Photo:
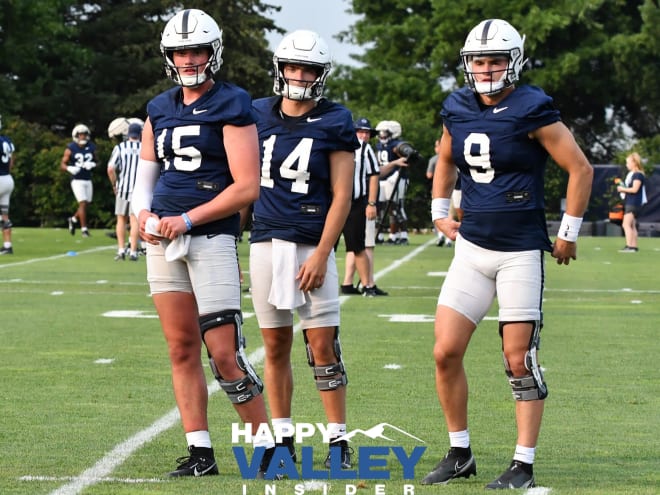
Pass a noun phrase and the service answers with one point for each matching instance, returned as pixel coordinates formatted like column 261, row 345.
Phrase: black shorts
column 633, row 209
column 354, row 228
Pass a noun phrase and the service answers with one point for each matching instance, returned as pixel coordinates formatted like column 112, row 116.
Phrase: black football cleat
column 458, row 463
column 518, row 475
column 200, row 462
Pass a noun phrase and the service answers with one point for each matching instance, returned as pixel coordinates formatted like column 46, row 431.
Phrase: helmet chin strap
column 193, row 81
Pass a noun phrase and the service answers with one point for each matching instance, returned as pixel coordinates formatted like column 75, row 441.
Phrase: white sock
column 524, row 454
column 279, row 423
column 336, row 430
column 459, row 439
column 199, row 438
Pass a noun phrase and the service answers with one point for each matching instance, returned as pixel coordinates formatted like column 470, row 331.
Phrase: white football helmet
column 302, row 48
column 493, row 37
column 77, row 131
column 192, row 28
column 118, row 128
column 388, row 129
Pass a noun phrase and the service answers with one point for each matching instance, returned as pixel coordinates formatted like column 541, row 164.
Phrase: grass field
column 87, row 407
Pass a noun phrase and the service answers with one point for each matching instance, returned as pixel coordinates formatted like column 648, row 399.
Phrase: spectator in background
column 122, row 168
column 79, row 159
column 360, row 228
column 635, row 197
column 6, row 188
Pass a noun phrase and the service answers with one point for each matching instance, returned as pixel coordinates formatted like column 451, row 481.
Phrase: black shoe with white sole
column 458, row 463
column 519, row 475
column 200, row 462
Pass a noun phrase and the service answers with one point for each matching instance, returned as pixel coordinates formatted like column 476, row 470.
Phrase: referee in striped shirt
column 360, row 228
column 122, row 168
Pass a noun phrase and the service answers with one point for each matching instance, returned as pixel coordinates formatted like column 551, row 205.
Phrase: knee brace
column 530, row 387
column 6, row 225
column 328, row 376
column 250, row 385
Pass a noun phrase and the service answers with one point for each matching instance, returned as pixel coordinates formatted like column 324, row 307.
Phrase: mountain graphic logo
column 377, row 431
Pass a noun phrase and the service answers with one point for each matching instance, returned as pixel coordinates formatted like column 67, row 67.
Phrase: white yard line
column 106, row 465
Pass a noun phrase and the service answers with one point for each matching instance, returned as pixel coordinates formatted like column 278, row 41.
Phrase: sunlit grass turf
column 76, row 383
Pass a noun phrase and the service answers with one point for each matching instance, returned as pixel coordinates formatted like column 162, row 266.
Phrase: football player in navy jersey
column 393, row 181
column 6, row 187
column 499, row 136
column 198, row 167
column 307, row 146
column 79, row 159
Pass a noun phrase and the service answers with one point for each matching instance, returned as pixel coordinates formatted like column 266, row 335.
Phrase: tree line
column 68, row 61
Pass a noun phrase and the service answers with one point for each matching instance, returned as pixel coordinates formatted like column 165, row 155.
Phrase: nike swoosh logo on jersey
column 309, row 119
column 197, row 112
column 498, row 110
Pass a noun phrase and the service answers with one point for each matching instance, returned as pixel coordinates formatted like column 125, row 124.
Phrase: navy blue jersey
column 188, row 141
column 501, row 169
column 295, row 190
column 639, row 198
column 385, row 154
column 83, row 157
column 6, row 150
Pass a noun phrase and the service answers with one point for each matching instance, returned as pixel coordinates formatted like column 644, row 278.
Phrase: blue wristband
column 186, row 218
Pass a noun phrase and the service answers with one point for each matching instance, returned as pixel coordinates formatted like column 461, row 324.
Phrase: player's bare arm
column 342, row 167
column 561, row 145
column 444, row 181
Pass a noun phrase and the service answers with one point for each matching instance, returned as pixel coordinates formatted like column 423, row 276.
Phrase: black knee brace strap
column 328, row 376
column 533, row 386
column 250, row 385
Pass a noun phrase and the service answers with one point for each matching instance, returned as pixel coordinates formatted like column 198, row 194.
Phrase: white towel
column 177, row 248
column 284, row 291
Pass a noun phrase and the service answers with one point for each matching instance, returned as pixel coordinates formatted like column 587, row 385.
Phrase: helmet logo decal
column 184, row 24
column 484, row 33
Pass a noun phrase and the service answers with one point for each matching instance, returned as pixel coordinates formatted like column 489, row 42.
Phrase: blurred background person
column 122, row 168
column 635, row 197
column 6, row 188
column 360, row 228
column 393, row 182
column 79, row 159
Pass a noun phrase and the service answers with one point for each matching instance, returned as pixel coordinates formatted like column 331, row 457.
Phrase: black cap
column 363, row 124
column 135, row 131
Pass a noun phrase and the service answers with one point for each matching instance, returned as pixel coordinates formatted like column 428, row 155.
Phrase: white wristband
column 439, row 208
column 569, row 228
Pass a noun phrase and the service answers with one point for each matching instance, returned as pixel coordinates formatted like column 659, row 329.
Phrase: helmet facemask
column 202, row 71
column 497, row 83
column 297, row 89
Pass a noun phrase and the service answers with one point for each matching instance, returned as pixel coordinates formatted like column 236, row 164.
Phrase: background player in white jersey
column 6, row 188
column 122, row 168
column 79, row 159
column 199, row 165
column 499, row 136
column 307, row 145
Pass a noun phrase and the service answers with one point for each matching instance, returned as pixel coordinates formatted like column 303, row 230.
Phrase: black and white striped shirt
column 124, row 160
column 366, row 165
